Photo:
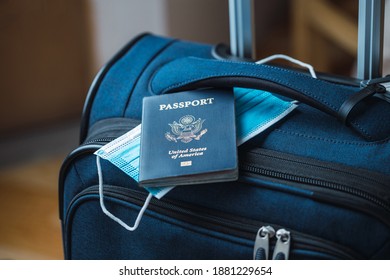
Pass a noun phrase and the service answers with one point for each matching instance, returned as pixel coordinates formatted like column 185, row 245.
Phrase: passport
column 188, row 138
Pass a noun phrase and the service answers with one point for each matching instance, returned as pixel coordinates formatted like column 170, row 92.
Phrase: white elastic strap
column 108, row 213
column 289, row 58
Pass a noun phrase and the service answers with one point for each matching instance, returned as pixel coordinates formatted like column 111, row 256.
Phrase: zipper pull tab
column 282, row 247
column 264, row 234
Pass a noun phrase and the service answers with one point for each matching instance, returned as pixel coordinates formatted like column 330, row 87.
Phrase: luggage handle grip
column 192, row 72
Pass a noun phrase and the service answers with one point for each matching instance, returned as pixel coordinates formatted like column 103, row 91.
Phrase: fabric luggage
column 313, row 186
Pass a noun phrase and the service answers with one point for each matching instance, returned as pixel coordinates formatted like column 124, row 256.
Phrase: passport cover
column 188, row 138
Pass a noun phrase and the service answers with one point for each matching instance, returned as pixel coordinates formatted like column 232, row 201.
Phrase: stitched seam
column 78, row 174
column 377, row 143
column 361, row 129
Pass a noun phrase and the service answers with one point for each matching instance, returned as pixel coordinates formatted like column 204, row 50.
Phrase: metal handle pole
column 241, row 28
column 370, row 39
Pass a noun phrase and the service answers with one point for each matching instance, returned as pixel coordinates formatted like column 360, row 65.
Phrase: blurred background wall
column 44, row 58
column 50, row 51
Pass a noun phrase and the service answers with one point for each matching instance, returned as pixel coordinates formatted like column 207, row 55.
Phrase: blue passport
column 188, row 138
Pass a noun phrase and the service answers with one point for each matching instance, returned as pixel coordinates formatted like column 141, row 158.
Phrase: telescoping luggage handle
column 370, row 34
column 351, row 105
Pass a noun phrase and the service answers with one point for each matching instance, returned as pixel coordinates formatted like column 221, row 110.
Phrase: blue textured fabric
column 184, row 71
column 154, row 65
column 311, row 255
column 298, row 212
column 114, row 242
column 87, row 225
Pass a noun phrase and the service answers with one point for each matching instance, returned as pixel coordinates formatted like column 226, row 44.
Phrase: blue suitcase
column 313, row 186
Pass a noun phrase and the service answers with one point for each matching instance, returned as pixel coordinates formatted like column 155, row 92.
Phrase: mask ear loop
column 289, row 58
column 108, row 213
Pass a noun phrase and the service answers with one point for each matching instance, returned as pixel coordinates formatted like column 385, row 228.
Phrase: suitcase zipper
column 101, row 141
column 262, row 242
column 263, row 236
column 213, row 220
column 282, row 247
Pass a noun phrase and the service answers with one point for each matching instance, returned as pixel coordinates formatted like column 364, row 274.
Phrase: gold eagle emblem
column 186, row 130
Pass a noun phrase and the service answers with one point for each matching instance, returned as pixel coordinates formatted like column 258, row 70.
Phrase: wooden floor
column 29, row 166
column 29, row 223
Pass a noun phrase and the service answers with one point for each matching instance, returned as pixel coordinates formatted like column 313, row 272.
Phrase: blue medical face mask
column 256, row 110
column 124, row 153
